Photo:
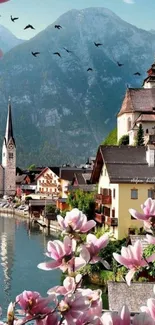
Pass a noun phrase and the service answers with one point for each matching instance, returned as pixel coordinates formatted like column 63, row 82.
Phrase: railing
column 103, row 199
column 48, row 184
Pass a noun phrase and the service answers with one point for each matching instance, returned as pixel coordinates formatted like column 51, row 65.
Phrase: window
column 129, row 124
column 114, row 193
column 113, row 213
column 147, row 131
column 134, row 194
column 10, row 155
column 39, row 189
column 40, row 182
column 151, row 194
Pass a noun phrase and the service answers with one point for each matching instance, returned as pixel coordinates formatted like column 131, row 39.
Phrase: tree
column 32, row 167
column 140, row 136
column 111, row 138
column 83, row 201
column 124, row 140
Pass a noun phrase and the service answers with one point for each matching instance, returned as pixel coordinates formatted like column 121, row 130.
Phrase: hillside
column 62, row 112
column 111, row 138
column 8, row 40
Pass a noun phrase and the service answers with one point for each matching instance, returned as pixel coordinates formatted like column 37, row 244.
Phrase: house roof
column 55, row 170
column 138, row 100
column 146, row 118
column 125, row 164
column 80, row 179
column 84, row 187
column 67, row 173
column 20, row 178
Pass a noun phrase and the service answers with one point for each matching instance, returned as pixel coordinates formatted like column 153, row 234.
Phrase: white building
column 8, row 166
column 138, row 107
column 48, row 181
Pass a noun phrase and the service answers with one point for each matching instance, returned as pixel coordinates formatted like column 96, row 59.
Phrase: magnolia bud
column 10, row 314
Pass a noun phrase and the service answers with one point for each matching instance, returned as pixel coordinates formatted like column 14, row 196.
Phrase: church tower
column 149, row 81
column 9, row 157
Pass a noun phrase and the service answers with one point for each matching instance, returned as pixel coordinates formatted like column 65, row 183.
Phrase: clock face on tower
column 10, row 146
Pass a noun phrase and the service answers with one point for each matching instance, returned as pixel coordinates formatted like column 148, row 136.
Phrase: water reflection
column 7, row 246
column 22, row 248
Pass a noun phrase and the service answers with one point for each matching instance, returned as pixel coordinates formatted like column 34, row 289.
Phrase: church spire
column 9, row 127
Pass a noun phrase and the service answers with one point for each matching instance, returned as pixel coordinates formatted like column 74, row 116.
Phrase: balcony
column 99, row 217
column 112, row 222
column 103, row 199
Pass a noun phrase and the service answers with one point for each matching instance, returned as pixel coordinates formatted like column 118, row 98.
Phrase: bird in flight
column 68, row 51
column 35, row 53
column 137, row 74
column 120, row 64
column 57, row 53
column 89, row 69
column 58, row 26
column 97, row 44
column 29, row 26
column 13, row 19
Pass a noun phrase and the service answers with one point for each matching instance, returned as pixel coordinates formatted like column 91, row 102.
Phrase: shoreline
column 20, row 213
column 14, row 212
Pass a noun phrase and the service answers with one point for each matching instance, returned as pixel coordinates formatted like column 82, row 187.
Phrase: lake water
column 22, row 248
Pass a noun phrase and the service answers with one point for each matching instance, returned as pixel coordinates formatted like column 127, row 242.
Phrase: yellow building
column 126, row 178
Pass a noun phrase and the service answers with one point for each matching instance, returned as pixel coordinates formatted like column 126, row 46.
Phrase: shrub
column 124, row 140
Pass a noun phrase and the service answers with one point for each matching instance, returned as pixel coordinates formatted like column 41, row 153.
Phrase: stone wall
column 134, row 296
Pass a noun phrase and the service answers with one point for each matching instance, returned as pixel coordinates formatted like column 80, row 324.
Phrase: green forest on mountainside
column 111, row 138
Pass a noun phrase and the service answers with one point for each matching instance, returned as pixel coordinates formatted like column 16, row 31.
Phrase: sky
column 41, row 13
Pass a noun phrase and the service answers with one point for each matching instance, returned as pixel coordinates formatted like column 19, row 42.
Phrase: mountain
column 8, row 40
column 62, row 112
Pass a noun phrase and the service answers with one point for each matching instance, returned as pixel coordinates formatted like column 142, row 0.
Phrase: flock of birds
column 35, row 54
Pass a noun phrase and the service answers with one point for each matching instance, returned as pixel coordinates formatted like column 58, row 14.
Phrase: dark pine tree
column 140, row 136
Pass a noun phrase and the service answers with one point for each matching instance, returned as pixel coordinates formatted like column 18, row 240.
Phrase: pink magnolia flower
column 75, row 221
column 73, row 306
column 132, row 258
column 1, row 1
column 33, row 304
column 86, row 319
column 95, row 299
column 148, row 213
column 92, row 248
column 123, row 318
column 150, row 239
column 150, row 308
column 62, row 253
column 70, row 284
column 48, row 320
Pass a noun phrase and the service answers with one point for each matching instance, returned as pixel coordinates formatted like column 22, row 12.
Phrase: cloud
column 129, row 1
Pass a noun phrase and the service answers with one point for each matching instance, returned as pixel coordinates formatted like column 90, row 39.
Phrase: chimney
column 150, row 155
